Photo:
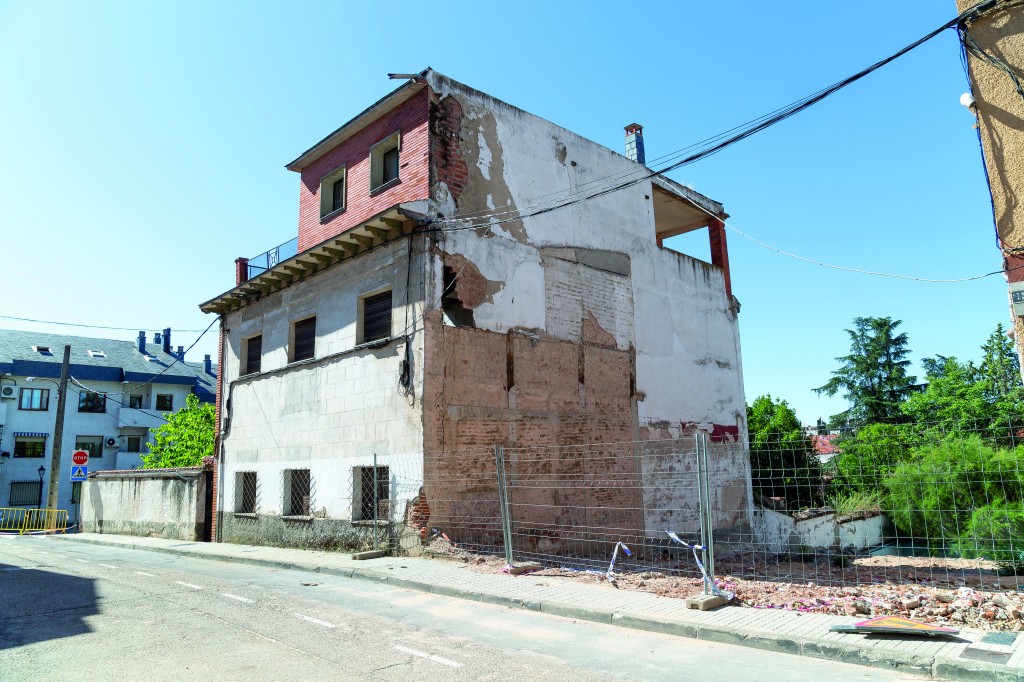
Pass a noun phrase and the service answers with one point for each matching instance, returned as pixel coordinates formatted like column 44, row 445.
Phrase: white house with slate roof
column 117, row 392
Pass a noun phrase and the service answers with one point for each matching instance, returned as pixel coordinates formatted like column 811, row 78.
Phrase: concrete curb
column 939, row 667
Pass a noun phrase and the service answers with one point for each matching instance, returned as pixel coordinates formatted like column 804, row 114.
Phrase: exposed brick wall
column 447, row 163
column 720, row 250
column 241, row 270
column 354, row 153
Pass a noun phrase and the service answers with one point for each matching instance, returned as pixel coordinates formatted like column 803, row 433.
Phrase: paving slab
column 805, row 634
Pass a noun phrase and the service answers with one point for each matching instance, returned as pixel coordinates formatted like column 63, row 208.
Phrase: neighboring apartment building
column 120, row 389
column 434, row 307
column 993, row 38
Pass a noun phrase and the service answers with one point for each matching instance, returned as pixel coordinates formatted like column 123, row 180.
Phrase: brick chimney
column 635, row 143
column 142, row 342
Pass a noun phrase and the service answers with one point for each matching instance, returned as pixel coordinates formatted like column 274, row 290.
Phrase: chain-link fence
column 935, row 504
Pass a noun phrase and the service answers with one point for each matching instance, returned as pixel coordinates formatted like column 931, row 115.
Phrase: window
column 364, row 498
column 296, row 492
column 245, row 492
column 76, row 492
column 304, row 339
column 26, row 493
column 42, row 350
column 332, row 192
column 253, row 353
column 91, row 444
column 376, row 317
column 29, row 446
column 36, row 399
column 135, row 402
column 384, row 162
column 134, row 444
column 455, row 313
column 92, row 402
column 165, row 402
column 97, row 353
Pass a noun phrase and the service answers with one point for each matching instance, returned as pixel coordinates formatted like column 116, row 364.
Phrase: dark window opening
column 454, row 311
column 377, row 317
column 135, row 402
column 245, row 492
column 165, row 402
column 368, row 500
column 390, row 159
column 29, row 447
column 253, row 354
column 297, row 492
column 338, row 194
column 91, row 444
column 134, row 444
column 305, row 339
column 92, row 402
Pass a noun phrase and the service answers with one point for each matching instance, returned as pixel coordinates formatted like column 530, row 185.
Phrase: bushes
column 962, row 496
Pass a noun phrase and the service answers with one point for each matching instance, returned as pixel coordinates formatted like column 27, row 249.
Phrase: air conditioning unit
column 9, row 392
column 111, row 442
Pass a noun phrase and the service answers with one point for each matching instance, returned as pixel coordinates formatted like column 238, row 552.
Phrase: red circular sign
column 80, row 457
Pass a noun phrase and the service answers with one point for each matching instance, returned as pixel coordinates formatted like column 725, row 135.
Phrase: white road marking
column 236, row 598
column 106, row 565
column 194, row 587
column 84, row 561
column 315, row 620
column 148, row 575
column 430, row 657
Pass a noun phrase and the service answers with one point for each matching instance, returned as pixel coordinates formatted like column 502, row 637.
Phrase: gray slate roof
column 123, row 361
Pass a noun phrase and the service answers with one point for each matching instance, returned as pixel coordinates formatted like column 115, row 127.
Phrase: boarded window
column 253, row 354
column 305, row 339
column 376, row 317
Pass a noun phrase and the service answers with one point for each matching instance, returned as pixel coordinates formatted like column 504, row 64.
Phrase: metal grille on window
column 247, row 483
column 298, row 482
column 305, row 339
column 253, row 353
column 374, row 493
column 377, row 317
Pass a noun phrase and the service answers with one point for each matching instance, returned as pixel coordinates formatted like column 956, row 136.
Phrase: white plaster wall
column 684, row 331
column 328, row 414
column 819, row 531
column 862, row 533
column 772, row 529
column 155, row 504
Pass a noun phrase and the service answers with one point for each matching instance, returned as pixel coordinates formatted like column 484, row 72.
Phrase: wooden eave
column 387, row 226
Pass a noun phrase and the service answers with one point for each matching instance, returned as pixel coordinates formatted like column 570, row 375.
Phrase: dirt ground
column 951, row 592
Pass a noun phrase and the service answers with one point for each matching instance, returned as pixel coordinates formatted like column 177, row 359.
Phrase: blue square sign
column 79, row 473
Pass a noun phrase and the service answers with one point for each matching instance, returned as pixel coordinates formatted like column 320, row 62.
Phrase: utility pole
column 58, row 431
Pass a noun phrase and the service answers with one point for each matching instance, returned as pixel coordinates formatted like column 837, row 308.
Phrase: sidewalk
column 968, row 658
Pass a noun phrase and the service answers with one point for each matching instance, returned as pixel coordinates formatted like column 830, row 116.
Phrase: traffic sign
column 79, row 473
column 80, row 457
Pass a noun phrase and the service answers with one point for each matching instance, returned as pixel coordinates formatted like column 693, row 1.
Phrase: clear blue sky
column 142, row 149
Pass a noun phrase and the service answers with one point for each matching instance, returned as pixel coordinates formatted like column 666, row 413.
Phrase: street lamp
column 41, row 470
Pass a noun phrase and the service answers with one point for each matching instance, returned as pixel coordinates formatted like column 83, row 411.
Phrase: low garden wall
column 166, row 503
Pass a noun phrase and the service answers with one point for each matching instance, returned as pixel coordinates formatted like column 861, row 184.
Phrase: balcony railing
column 268, row 259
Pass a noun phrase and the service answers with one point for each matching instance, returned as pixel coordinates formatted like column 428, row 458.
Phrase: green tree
column 1000, row 365
column 185, row 439
column 782, row 458
column 873, row 377
column 954, row 399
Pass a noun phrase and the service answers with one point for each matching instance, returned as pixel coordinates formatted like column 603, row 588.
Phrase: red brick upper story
column 352, row 152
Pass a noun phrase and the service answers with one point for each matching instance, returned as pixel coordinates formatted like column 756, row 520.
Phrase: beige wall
column 1000, row 111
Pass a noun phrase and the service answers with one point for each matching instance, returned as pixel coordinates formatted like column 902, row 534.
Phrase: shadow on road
column 37, row 605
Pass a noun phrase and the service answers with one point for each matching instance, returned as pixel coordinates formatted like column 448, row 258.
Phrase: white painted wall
column 329, row 414
column 159, row 502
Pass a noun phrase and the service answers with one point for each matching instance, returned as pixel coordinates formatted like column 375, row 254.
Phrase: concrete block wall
column 166, row 503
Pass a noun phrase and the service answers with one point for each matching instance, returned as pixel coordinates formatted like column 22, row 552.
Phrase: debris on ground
column 946, row 592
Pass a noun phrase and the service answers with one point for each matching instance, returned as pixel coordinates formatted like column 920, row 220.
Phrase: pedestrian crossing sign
column 79, row 473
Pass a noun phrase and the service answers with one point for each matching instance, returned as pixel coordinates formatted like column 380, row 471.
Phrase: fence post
column 704, row 493
column 375, row 502
column 506, row 520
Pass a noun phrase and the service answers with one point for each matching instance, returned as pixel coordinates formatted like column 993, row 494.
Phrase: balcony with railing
column 257, row 265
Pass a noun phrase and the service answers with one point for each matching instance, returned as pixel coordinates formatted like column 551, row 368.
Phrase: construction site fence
column 21, row 521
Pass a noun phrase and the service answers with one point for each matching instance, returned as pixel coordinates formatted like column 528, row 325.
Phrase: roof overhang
column 391, row 101
column 679, row 209
column 389, row 225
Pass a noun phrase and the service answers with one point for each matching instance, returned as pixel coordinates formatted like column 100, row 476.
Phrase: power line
column 720, row 143
column 89, row 326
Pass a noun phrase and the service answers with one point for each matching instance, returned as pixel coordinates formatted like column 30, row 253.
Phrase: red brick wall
column 720, row 250
column 414, row 173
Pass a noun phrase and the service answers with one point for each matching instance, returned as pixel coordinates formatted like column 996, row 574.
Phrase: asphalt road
column 85, row 612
